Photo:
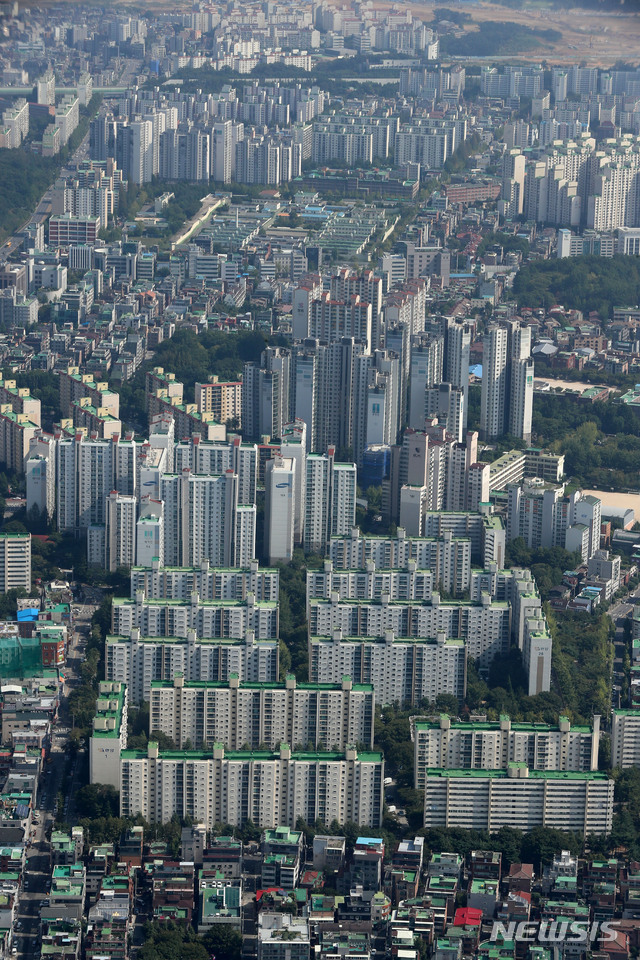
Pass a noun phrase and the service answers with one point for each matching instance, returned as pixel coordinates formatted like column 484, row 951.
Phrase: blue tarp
column 29, row 613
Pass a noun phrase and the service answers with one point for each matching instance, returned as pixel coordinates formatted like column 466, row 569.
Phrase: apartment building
column 271, row 789
column 541, row 513
column 137, row 660
column 507, row 381
column 16, row 432
column 484, row 627
column 209, row 582
column 222, row 399
column 158, row 379
column 119, row 533
column 401, row 668
column 20, row 399
column 109, row 736
column 76, row 386
column 330, row 506
column 209, row 618
column 236, row 713
column 454, row 745
column 354, row 550
column 370, row 583
column 625, row 738
column 279, row 512
column 94, row 420
column 188, row 419
column 514, row 465
column 397, row 562
column 203, row 518
column 216, row 458
column 64, row 229
column 15, row 561
column 520, row 798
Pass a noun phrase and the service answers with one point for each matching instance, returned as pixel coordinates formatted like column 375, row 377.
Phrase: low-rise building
column 219, row 902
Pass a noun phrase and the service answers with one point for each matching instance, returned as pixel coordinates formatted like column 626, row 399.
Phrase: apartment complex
column 625, row 738
column 484, row 627
column 137, row 660
column 541, row 513
column 208, row 618
column 243, row 714
column 507, row 381
column 453, row 745
column 271, row 789
column 484, row 533
column 158, row 582
column 222, row 399
column 519, row 797
column 401, row 669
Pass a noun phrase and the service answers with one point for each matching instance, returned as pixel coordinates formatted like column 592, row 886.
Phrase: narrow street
column 37, row 873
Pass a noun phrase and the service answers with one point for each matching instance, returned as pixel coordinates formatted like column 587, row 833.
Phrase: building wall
column 270, row 789
column 567, row 801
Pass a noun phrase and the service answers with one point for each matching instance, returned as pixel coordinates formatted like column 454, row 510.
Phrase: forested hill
column 580, row 283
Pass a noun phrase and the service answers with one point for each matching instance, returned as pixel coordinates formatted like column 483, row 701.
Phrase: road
column 38, row 867
column 44, row 207
column 619, row 612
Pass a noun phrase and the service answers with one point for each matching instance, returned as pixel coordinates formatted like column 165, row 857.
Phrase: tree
column 540, row 845
column 223, row 942
column 171, row 941
column 164, row 742
column 97, row 800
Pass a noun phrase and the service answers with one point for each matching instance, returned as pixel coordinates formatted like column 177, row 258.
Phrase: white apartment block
column 446, row 557
column 40, row 477
column 15, row 561
column 150, row 533
column 454, row 745
column 271, row 789
column 109, row 735
column 209, row 618
column 330, row 507
column 87, row 469
column 520, row 798
column 120, row 531
column 625, row 738
column 529, row 629
column 210, row 583
column 235, row 714
column 209, row 457
column 138, row 660
column 67, row 117
column 370, row 583
column 203, row 518
column 536, row 654
column 279, row 513
column 540, row 513
column 15, row 124
column 484, row 627
column 331, row 320
column 400, row 668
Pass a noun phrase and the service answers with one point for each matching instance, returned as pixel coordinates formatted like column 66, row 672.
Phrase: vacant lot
column 588, row 36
